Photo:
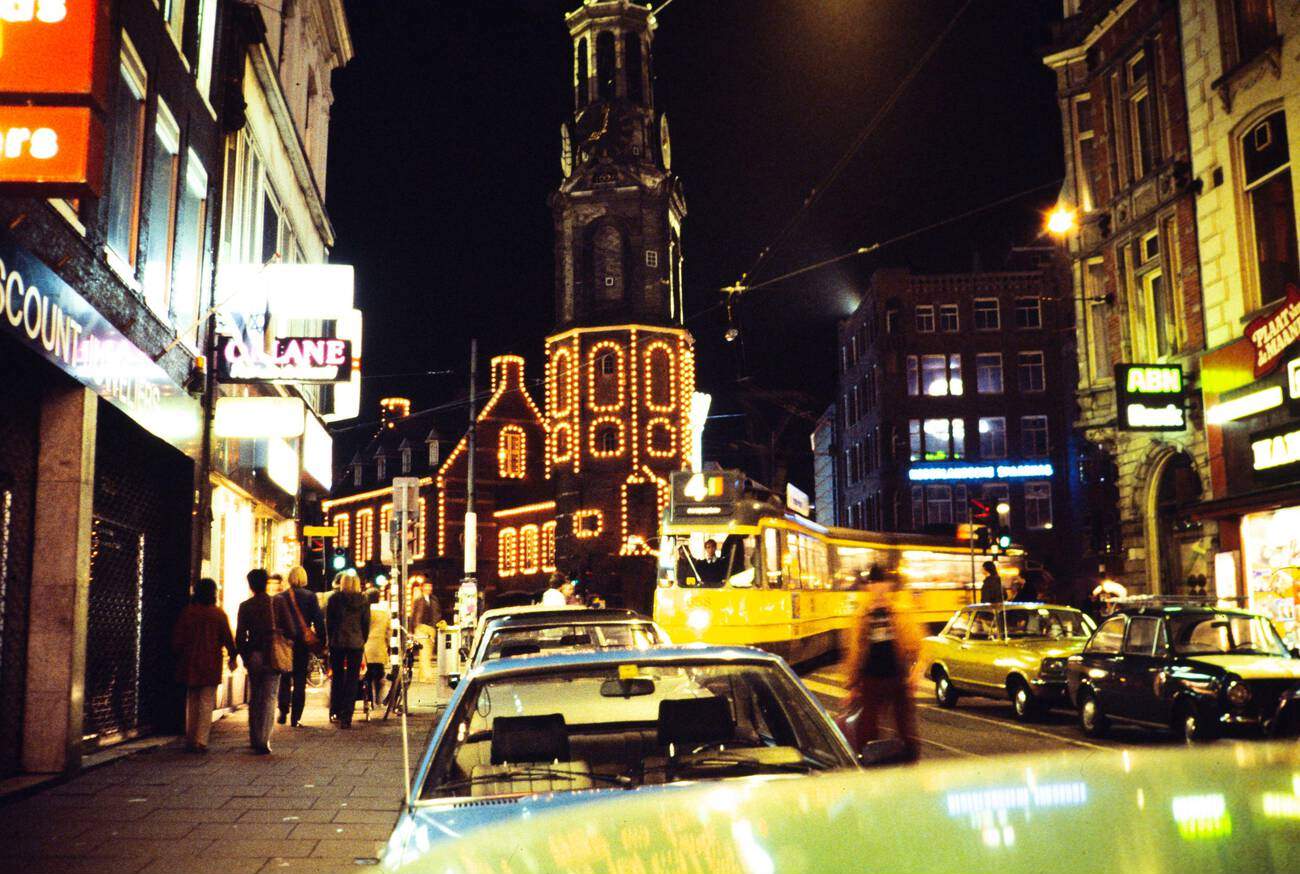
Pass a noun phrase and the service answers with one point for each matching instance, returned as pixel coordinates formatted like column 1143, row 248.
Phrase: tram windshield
column 708, row 561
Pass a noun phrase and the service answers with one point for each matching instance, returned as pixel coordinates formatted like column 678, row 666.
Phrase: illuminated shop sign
column 1243, row 405
column 1270, row 451
column 292, row 359
column 1273, row 334
column 44, row 314
column 54, row 52
column 947, row 472
column 1149, row 397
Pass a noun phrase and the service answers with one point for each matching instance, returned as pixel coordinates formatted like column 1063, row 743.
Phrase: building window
column 632, row 67
column 1267, row 166
column 651, row 258
column 949, row 318
column 435, row 453
column 607, row 439
column 1032, row 372
column 1098, row 314
column 1153, row 315
column 913, row 376
column 187, row 276
column 1143, row 135
column 1029, row 312
column 406, row 459
column 914, row 439
column 608, row 363
column 605, row 74
column 1033, row 436
column 341, row 540
column 581, row 76
column 1248, row 27
column 993, row 494
column 163, row 174
column 993, row 437
column 1038, row 504
column 529, row 550
column 510, row 452
column 127, row 156
column 925, row 319
column 988, row 373
column 358, row 473
column 421, row 528
column 934, row 375
column 988, row 314
column 1084, row 151
column 918, row 507
column 507, row 552
column 938, row 505
column 944, row 439
column 548, row 546
column 891, row 318
column 365, row 549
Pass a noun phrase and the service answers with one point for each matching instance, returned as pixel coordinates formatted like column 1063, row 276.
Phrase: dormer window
column 406, row 460
column 434, row 453
column 381, row 467
column 356, row 475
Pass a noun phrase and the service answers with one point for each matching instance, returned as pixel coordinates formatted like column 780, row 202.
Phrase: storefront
column 1252, row 412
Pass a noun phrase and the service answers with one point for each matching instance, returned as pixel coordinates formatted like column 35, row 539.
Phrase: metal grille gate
column 113, row 649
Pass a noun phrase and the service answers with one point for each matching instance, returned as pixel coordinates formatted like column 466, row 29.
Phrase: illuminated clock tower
column 620, row 368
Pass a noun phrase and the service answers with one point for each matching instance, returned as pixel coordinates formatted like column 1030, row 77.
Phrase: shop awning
column 1238, row 505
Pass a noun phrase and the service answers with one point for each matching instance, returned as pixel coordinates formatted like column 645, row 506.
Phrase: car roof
column 1000, row 605
column 1178, row 610
column 1190, row 814
column 565, row 616
column 593, row 657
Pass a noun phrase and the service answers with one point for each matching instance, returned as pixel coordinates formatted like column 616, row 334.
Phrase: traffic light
column 340, row 560
column 983, row 538
column 1004, row 540
column 980, row 513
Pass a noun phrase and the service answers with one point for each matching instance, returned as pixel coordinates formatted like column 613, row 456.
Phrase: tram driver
column 712, row 568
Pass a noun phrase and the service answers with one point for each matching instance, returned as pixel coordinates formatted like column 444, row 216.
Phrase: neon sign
column 293, row 359
column 942, row 473
column 1271, row 451
column 1273, row 334
column 1149, row 397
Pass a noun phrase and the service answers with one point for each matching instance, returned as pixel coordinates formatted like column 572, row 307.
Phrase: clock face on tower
column 665, row 144
column 566, row 150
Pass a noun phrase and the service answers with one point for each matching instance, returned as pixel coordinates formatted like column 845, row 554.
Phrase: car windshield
column 1050, row 622
column 626, row 725
column 1226, row 634
column 506, row 642
column 705, row 561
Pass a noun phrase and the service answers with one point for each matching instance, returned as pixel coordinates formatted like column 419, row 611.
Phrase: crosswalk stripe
column 825, row 688
column 1015, row 727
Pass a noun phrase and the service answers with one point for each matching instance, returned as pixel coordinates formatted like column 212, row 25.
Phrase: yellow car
column 1015, row 651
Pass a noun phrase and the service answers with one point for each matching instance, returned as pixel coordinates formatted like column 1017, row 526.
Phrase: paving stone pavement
column 324, row 801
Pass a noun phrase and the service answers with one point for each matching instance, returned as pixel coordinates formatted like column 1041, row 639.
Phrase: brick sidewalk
column 324, row 801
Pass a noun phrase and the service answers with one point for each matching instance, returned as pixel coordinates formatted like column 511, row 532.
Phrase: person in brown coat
column 201, row 633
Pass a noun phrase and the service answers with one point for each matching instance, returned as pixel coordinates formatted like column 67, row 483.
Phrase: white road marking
column 825, row 688
column 1016, row 727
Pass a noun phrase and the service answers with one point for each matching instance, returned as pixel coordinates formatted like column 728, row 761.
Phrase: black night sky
column 445, row 144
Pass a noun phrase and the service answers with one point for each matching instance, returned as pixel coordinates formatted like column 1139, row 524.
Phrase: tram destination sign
column 1150, row 397
column 700, row 495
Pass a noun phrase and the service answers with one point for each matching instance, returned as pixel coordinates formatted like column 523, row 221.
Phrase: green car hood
column 1253, row 667
column 1219, row 808
column 1048, row 648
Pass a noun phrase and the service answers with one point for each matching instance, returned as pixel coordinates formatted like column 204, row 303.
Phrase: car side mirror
column 453, row 680
column 1295, row 652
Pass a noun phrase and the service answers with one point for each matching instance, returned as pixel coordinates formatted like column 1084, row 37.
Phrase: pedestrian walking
column 991, row 591
column 347, row 624
column 201, row 633
column 309, row 639
column 377, row 646
column 264, row 638
column 882, row 649
column 554, row 595
column 1029, row 590
column 425, row 616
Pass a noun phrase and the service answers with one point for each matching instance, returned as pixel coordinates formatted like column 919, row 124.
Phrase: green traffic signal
column 340, row 560
column 1004, row 540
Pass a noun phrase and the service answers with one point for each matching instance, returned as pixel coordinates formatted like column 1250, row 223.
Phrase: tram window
column 772, row 558
column 706, row 561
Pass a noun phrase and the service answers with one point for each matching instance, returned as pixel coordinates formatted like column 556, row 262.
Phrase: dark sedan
column 1196, row 670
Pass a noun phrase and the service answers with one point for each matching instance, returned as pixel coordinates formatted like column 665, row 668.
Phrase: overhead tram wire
column 816, row 193
column 875, row 247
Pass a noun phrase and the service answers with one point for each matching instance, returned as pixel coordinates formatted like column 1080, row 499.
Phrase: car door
column 1140, row 662
column 1102, row 660
column 947, row 645
column 976, row 650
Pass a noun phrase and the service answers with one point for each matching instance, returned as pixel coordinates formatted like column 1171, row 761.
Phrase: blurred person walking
column 201, row 633
column 347, row 624
column 882, row 650
column 991, row 592
column 309, row 623
column 377, row 646
column 264, row 638
column 425, row 616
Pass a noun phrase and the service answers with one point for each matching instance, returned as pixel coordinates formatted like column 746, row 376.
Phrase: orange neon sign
column 55, row 145
column 50, row 47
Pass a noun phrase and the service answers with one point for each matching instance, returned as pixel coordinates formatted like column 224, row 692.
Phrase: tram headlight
column 699, row 619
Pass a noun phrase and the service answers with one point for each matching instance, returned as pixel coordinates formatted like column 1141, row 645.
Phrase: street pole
column 471, row 517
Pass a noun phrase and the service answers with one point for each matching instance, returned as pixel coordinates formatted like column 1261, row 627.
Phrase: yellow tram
column 780, row 581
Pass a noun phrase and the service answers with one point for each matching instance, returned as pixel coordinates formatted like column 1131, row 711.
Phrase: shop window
column 511, row 445
column 1038, row 504
column 925, row 319
column 1029, row 312
column 1271, row 215
column 993, row 436
column 1033, row 436
column 988, row 373
column 987, row 314
column 1032, row 371
column 126, row 156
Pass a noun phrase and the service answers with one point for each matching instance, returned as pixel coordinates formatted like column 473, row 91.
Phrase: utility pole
column 467, row 595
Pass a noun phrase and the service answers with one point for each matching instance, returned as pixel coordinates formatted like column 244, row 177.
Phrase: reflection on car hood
column 419, row 832
column 1253, row 667
column 1048, row 648
column 1218, row 809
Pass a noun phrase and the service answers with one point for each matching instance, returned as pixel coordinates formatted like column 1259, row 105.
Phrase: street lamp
column 1062, row 220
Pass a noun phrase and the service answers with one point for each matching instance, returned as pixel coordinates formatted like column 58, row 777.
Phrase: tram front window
column 705, row 562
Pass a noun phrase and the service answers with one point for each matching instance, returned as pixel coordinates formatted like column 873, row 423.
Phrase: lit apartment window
column 1033, row 436
column 988, row 373
column 1272, row 221
column 1038, row 504
column 163, row 173
column 1143, row 133
column 510, row 452
column 126, row 156
column 993, row 437
column 1154, row 325
column 1032, row 372
column 925, row 319
column 949, row 318
column 174, row 14
column 988, row 315
column 944, row 439
column 1029, row 312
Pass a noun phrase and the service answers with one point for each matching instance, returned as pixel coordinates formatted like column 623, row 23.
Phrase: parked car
column 1015, row 651
column 526, row 631
column 524, row 735
column 1196, row 670
column 1089, row 812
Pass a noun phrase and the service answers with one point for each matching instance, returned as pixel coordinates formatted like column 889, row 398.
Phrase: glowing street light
column 1062, row 220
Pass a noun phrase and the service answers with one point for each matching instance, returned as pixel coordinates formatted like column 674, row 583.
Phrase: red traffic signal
column 980, row 512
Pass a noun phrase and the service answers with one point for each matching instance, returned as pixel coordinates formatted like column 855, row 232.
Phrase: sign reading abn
column 1149, row 397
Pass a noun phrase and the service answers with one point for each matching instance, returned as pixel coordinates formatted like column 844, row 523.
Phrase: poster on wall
column 1270, row 544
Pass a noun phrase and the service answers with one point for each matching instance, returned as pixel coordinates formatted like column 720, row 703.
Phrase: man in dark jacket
column 260, row 618
column 425, row 615
column 305, row 609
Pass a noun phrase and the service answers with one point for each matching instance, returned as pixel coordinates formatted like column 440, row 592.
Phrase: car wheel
column 1194, row 726
column 1092, row 719
column 1023, row 701
column 945, row 695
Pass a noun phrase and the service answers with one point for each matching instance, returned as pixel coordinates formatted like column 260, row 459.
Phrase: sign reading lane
column 1150, row 397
